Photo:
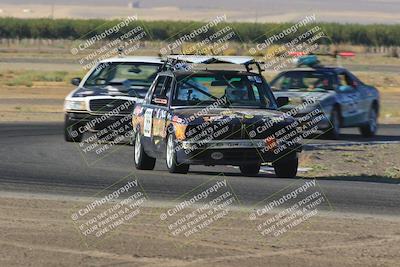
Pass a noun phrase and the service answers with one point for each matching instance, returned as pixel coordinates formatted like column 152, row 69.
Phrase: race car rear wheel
column 334, row 132
column 71, row 132
column 250, row 169
column 141, row 159
column 171, row 160
column 369, row 129
column 286, row 167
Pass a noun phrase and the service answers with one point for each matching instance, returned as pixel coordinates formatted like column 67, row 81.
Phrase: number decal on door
column 148, row 122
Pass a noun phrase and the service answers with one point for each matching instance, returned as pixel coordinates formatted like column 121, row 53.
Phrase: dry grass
column 35, row 77
column 373, row 161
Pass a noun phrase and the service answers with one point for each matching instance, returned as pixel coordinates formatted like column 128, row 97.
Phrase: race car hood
column 233, row 123
column 83, row 92
column 245, row 115
column 140, row 91
column 298, row 97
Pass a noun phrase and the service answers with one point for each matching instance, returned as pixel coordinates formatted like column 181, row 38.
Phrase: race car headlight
column 75, row 105
column 180, row 131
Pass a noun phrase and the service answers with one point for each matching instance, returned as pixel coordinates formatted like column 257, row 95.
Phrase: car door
column 160, row 103
column 149, row 112
column 365, row 99
column 349, row 99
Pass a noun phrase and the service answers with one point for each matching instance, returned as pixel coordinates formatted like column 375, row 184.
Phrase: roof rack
column 174, row 60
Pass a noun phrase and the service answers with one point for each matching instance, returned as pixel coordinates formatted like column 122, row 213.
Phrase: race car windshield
column 132, row 78
column 303, row 81
column 236, row 89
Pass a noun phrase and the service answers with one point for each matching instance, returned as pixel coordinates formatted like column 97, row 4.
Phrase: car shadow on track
column 344, row 178
column 361, row 178
column 386, row 132
column 235, row 174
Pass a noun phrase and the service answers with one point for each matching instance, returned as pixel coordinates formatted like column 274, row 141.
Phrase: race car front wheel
column 286, row 167
column 141, row 159
column 71, row 132
column 250, row 169
column 370, row 128
column 171, row 160
column 334, row 131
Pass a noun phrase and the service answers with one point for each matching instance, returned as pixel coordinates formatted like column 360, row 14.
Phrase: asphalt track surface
column 35, row 159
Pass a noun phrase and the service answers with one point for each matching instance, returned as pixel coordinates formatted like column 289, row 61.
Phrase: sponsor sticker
column 148, row 122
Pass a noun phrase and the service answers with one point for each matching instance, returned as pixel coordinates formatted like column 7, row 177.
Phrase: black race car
column 212, row 117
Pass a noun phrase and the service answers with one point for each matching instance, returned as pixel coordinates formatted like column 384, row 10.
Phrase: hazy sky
column 363, row 11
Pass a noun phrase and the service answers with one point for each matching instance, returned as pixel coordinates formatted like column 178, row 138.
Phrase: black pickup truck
column 213, row 117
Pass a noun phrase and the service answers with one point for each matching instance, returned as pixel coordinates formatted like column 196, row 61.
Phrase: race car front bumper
column 97, row 122
column 233, row 152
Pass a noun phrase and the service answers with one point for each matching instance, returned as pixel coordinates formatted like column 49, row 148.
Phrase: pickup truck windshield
column 132, row 78
column 239, row 90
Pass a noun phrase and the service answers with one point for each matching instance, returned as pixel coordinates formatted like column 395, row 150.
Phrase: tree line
column 355, row 34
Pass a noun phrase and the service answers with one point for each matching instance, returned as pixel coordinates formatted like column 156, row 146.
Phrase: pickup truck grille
column 104, row 105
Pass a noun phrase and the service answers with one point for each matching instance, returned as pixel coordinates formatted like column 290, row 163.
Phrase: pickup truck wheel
column 172, row 164
column 370, row 128
column 334, row 132
column 71, row 132
column 286, row 167
column 250, row 169
column 141, row 159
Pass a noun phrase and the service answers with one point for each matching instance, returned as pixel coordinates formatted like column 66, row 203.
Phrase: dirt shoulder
column 40, row 102
column 39, row 231
column 358, row 162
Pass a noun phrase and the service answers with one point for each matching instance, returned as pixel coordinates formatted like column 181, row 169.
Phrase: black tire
column 334, row 132
column 286, row 167
column 71, row 132
column 171, row 160
column 141, row 160
column 371, row 127
column 250, row 169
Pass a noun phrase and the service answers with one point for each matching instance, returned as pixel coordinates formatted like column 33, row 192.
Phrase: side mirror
column 160, row 100
column 282, row 101
column 76, row 81
column 345, row 88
